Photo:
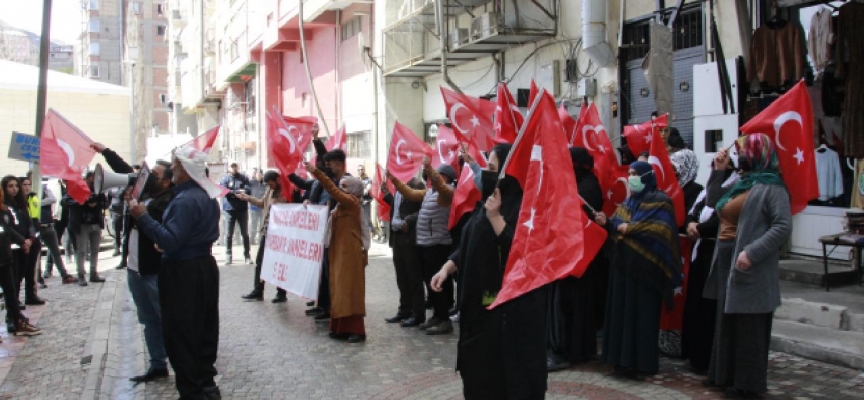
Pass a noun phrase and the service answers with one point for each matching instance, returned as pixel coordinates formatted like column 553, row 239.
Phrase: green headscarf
column 757, row 161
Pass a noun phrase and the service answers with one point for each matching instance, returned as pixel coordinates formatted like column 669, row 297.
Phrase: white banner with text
column 295, row 248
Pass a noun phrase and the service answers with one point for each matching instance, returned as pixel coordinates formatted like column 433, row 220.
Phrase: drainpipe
column 594, row 32
column 442, row 33
column 321, row 119
column 337, row 48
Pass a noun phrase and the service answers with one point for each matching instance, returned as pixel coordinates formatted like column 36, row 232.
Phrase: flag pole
column 522, row 131
column 42, row 91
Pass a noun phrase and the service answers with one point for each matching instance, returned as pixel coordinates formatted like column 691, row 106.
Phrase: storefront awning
column 243, row 74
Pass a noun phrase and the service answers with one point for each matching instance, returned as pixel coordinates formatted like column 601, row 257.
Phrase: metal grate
column 689, row 33
column 412, row 38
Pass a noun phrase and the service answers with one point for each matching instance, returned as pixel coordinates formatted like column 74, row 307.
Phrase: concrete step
column 812, row 272
column 822, row 344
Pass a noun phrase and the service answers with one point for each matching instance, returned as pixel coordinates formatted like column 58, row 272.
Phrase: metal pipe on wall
column 442, row 35
column 309, row 71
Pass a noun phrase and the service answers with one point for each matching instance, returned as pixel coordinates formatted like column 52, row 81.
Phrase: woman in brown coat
column 348, row 253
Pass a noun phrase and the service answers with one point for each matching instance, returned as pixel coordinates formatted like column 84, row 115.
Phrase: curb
column 831, row 346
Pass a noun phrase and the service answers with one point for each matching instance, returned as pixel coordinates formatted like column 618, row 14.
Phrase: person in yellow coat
column 348, row 251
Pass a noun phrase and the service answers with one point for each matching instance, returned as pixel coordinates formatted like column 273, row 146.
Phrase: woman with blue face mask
column 645, row 268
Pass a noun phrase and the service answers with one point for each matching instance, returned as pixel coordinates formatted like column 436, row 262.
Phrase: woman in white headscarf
column 348, row 251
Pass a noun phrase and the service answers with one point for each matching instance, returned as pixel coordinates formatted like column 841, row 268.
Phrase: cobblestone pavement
column 274, row 351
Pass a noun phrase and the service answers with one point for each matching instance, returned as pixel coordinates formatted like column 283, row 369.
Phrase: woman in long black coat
column 573, row 315
column 501, row 352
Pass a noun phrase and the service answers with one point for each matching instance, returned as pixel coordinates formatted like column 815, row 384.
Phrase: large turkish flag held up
column 590, row 134
column 205, row 142
column 617, row 189
column 538, row 122
column 788, row 121
column 465, row 197
column 508, row 118
column 65, row 153
column 446, row 148
column 283, row 142
column 664, row 171
column 639, row 136
column 471, row 117
column 338, row 140
column 378, row 195
column 406, row 153
column 549, row 238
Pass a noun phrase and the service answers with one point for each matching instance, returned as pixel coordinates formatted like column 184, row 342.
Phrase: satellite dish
column 363, row 49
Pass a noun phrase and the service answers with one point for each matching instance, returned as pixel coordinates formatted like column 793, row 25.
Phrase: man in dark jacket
column 236, row 210
column 143, row 260
column 409, row 275
column 86, row 222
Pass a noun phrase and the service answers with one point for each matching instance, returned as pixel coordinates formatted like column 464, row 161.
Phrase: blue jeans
column 145, row 293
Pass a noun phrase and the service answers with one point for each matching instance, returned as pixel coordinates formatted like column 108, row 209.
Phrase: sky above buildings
column 27, row 15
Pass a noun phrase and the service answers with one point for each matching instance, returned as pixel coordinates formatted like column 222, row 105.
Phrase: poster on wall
column 295, row 248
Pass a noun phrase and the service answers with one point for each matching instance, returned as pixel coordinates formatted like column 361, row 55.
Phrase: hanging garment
column 850, row 56
column 821, row 39
column 858, row 185
column 828, row 173
column 777, row 56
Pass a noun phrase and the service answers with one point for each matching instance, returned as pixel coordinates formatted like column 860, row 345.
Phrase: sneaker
column 430, row 323
column 442, row 328
column 115, row 253
column 248, row 260
column 229, row 260
column 82, row 281
column 121, row 266
column 25, row 329
column 455, row 318
column 46, row 275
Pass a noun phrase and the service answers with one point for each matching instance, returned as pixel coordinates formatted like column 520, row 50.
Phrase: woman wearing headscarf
column 501, row 352
column 17, row 205
column 572, row 320
column 643, row 272
column 348, row 249
column 755, row 220
column 697, row 333
column 686, row 166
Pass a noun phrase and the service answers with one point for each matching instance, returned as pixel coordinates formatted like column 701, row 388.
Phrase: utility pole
column 42, row 89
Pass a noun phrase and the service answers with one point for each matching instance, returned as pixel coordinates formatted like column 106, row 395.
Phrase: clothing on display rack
column 858, row 186
column 777, row 54
column 828, row 173
column 850, row 58
column 821, row 39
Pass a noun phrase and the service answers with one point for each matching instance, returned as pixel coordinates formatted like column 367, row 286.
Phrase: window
column 94, row 49
column 93, row 5
column 94, row 26
column 359, row 144
column 136, row 8
column 93, row 71
column 163, row 98
column 160, row 30
column 159, row 9
column 351, row 28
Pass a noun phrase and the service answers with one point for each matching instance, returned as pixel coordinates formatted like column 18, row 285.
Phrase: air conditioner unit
column 459, row 37
column 484, row 26
column 175, row 14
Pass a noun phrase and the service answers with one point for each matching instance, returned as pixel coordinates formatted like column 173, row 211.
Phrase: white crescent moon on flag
column 287, row 135
column 453, row 111
column 399, row 143
column 441, row 156
column 585, row 130
column 626, row 188
column 68, row 150
column 783, row 119
column 653, row 160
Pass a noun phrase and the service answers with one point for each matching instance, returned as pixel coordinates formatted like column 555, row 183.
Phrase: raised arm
column 445, row 191
column 335, row 193
column 407, row 192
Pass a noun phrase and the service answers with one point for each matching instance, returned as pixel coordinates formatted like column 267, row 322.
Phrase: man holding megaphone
column 140, row 256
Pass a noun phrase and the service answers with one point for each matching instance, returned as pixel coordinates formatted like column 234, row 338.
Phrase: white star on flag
column 648, row 138
column 475, row 121
column 679, row 290
column 799, row 155
column 408, row 154
column 530, row 222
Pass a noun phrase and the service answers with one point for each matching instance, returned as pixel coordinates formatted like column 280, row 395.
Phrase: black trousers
column 324, row 283
column 13, row 310
column 117, row 224
column 432, row 258
column 259, row 259
column 237, row 217
column 25, row 270
column 189, row 298
column 409, row 276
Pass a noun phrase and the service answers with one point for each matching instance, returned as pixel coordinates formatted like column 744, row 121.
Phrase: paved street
column 92, row 344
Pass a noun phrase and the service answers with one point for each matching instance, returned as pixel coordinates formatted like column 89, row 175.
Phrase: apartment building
column 100, row 53
column 22, row 46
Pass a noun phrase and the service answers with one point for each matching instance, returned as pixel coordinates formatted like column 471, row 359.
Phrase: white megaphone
column 104, row 180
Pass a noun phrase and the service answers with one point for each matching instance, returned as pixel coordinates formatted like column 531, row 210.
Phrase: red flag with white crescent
column 508, row 118
column 664, row 171
column 465, row 197
column 471, row 117
column 338, row 140
column 406, row 153
column 65, row 153
column 639, row 136
column 446, row 148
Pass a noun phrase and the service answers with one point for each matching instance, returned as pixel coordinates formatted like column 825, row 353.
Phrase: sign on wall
column 295, row 248
column 24, row 147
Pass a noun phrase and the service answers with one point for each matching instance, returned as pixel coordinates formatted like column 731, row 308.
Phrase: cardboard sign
column 294, row 248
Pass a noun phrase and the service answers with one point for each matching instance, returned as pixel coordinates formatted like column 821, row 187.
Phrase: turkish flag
column 406, row 153
column 549, row 242
column 590, row 134
column 338, row 140
column 665, row 173
column 639, row 136
column 375, row 192
column 789, row 123
column 447, row 148
column 465, row 197
column 673, row 320
column 595, row 238
column 533, row 92
column 205, row 142
column 508, row 118
column 65, row 153
column 542, row 120
column 471, row 117
column 616, row 188
column 283, row 143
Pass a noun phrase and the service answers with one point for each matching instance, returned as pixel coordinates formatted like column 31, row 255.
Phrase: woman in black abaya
column 572, row 312
column 496, row 360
